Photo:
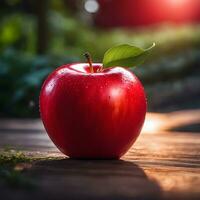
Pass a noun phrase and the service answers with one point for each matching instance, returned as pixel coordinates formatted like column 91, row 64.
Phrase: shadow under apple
column 92, row 179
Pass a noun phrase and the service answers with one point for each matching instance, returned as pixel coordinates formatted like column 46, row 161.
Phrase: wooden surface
column 163, row 164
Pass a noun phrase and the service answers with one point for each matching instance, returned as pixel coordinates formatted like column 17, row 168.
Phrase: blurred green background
column 38, row 36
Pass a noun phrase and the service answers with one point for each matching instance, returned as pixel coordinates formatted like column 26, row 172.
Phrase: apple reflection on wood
column 94, row 110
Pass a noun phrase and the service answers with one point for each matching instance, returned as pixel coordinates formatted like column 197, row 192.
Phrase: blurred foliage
column 173, row 81
column 74, row 37
column 21, row 76
column 22, row 71
column 17, row 31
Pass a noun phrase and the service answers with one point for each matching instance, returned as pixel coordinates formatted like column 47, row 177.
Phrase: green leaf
column 125, row 56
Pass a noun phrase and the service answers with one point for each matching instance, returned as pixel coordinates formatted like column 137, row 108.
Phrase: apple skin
column 92, row 115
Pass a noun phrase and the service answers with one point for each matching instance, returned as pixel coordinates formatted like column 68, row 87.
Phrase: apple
column 92, row 112
column 135, row 13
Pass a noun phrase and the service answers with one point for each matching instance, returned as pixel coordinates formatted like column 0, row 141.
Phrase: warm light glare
column 177, row 2
column 156, row 122
column 91, row 6
column 153, row 123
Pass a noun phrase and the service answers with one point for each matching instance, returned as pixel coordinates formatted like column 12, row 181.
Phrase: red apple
column 132, row 13
column 92, row 115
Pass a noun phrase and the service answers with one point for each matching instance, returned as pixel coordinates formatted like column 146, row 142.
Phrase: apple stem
column 89, row 60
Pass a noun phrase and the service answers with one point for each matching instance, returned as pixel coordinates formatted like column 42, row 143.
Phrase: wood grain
column 161, row 165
